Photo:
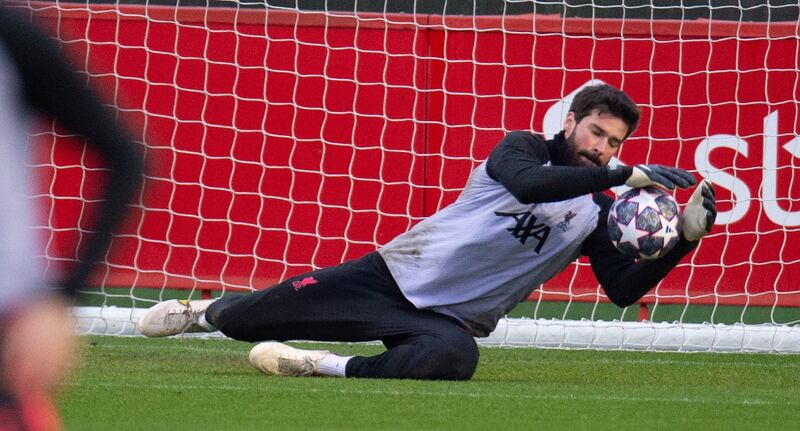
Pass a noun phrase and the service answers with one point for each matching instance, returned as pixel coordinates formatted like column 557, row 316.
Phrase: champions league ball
column 644, row 223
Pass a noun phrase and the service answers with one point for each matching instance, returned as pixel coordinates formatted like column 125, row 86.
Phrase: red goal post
column 281, row 141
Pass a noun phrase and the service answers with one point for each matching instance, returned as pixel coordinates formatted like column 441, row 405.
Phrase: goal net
column 286, row 136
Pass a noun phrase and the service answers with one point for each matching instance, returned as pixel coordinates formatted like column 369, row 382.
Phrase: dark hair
column 606, row 100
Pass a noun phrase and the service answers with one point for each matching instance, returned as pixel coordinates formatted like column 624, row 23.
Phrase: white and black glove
column 658, row 175
column 700, row 212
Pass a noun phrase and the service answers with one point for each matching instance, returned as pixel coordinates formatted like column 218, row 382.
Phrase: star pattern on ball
column 643, row 223
column 631, row 234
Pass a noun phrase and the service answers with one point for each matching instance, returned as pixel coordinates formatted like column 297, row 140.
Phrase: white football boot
column 278, row 359
column 173, row 317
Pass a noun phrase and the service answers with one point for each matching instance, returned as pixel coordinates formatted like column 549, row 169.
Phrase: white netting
column 282, row 139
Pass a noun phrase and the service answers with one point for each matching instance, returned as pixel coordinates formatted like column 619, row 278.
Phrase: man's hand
column 39, row 346
column 657, row 175
column 700, row 212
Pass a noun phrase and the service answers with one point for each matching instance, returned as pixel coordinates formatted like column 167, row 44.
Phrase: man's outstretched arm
column 625, row 280
column 518, row 162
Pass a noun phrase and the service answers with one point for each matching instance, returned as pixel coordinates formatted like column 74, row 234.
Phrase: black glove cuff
column 619, row 174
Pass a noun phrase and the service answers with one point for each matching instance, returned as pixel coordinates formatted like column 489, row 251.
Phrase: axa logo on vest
column 526, row 226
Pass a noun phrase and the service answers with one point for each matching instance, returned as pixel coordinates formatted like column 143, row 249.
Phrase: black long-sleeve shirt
column 531, row 169
column 48, row 86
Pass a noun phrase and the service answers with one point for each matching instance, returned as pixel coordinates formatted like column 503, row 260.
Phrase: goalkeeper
column 526, row 213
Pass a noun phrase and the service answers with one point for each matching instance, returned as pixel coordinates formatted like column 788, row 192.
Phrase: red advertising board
column 282, row 141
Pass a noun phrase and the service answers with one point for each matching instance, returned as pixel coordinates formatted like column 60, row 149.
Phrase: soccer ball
column 644, row 223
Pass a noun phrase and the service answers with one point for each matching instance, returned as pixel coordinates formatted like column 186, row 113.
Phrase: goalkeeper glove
column 700, row 212
column 657, row 175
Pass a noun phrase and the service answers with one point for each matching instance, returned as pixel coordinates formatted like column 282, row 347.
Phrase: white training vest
column 21, row 271
column 479, row 257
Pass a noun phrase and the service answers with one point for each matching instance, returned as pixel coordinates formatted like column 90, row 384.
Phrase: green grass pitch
column 196, row 384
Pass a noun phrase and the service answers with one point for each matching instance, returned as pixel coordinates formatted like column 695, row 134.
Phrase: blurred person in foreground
column 37, row 339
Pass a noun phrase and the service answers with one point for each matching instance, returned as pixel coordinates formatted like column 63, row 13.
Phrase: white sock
column 333, row 365
column 205, row 324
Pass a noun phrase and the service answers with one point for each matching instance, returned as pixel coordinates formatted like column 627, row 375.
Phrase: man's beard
column 572, row 156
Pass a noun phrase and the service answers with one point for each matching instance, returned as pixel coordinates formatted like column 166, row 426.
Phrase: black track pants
column 355, row 301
